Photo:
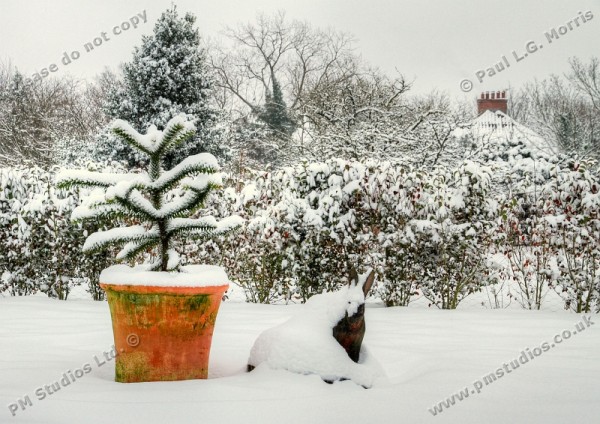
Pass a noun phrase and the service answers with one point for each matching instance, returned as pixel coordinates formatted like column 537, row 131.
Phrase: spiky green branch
column 143, row 197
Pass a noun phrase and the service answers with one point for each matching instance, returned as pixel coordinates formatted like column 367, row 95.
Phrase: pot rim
column 154, row 289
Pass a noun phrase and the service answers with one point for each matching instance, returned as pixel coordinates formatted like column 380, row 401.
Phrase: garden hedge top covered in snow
column 160, row 201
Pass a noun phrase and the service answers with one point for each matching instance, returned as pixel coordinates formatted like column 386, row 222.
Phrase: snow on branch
column 83, row 212
column 176, row 132
column 202, row 183
column 228, row 224
column 102, row 239
column 134, row 248
column 155, row 142
column 204, row 227
column 68, row 178
column 139, row 205
column 145, row 143
column 206, row 223
column 203, row 163
column 185, row 205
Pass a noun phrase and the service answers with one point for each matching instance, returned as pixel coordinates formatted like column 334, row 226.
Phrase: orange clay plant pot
column 162, row 333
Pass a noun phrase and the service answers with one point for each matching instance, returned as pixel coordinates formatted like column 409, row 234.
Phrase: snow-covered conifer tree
column 160, row 201
column 274, row 112
column 169, row 75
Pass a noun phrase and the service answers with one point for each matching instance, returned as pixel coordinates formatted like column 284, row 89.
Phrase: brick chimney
column 494, row 100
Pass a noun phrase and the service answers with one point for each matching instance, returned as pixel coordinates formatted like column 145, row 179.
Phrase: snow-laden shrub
column 523, row 236
column 396, row 192
column 40, row 246
column 548, row 225
column 306, row 225
column 572, row 209
column 15, row 271
column 321, row 210
column 425, row 232
column 301, row 232
column 451, row 232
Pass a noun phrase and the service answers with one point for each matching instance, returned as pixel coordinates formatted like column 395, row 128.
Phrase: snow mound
column 190, row 276
column 305, row 344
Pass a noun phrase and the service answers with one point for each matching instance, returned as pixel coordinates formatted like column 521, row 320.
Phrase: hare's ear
column 368, row 283
column 353, row 277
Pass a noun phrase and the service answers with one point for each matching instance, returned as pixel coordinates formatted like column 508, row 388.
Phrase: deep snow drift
column 427, row 355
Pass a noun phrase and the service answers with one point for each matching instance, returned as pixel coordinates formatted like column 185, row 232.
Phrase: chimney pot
column 493, row 101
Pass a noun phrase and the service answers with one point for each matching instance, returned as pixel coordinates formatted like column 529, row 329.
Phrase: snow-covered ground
column 428, row 355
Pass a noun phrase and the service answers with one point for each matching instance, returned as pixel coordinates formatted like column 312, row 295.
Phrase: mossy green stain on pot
column 147, row 310
column 137, row 308
column 198, row 302
column 133, row 367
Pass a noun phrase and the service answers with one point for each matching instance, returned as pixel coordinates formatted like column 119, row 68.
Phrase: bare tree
column 432, row 138
column 365, row 113
column 341, row 106
column 293, row 52
column 266, row 72
column 34, row 115
column 26, row 116
column 565, row 110
column 563, row 113
column 586, row 78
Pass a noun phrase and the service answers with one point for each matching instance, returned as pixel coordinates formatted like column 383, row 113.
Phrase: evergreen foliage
column 40, row 246
column 274, row 112
column 160, row 202
column 168, row 76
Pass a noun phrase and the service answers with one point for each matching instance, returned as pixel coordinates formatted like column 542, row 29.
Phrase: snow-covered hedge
column 530, row 224
column 571, row 205
column 308, row 224
column 41, row 249
column 442, row 234
column 549, row 227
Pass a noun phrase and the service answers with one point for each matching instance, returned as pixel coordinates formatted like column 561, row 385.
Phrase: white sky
column 437, row 43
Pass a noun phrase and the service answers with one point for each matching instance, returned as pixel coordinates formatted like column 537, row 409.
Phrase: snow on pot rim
column 189, row 276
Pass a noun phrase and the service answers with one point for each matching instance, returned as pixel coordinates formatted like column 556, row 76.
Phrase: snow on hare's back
column 325, row 338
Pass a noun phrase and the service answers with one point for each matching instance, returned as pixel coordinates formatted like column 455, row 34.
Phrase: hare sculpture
column 324, row 338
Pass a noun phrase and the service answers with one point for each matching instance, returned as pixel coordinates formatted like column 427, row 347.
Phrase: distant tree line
column 267, row 94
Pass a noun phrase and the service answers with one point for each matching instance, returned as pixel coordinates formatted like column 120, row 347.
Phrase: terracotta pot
column 162, row 333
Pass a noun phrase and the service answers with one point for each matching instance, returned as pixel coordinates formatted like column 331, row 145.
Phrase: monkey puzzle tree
column 161, row 201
